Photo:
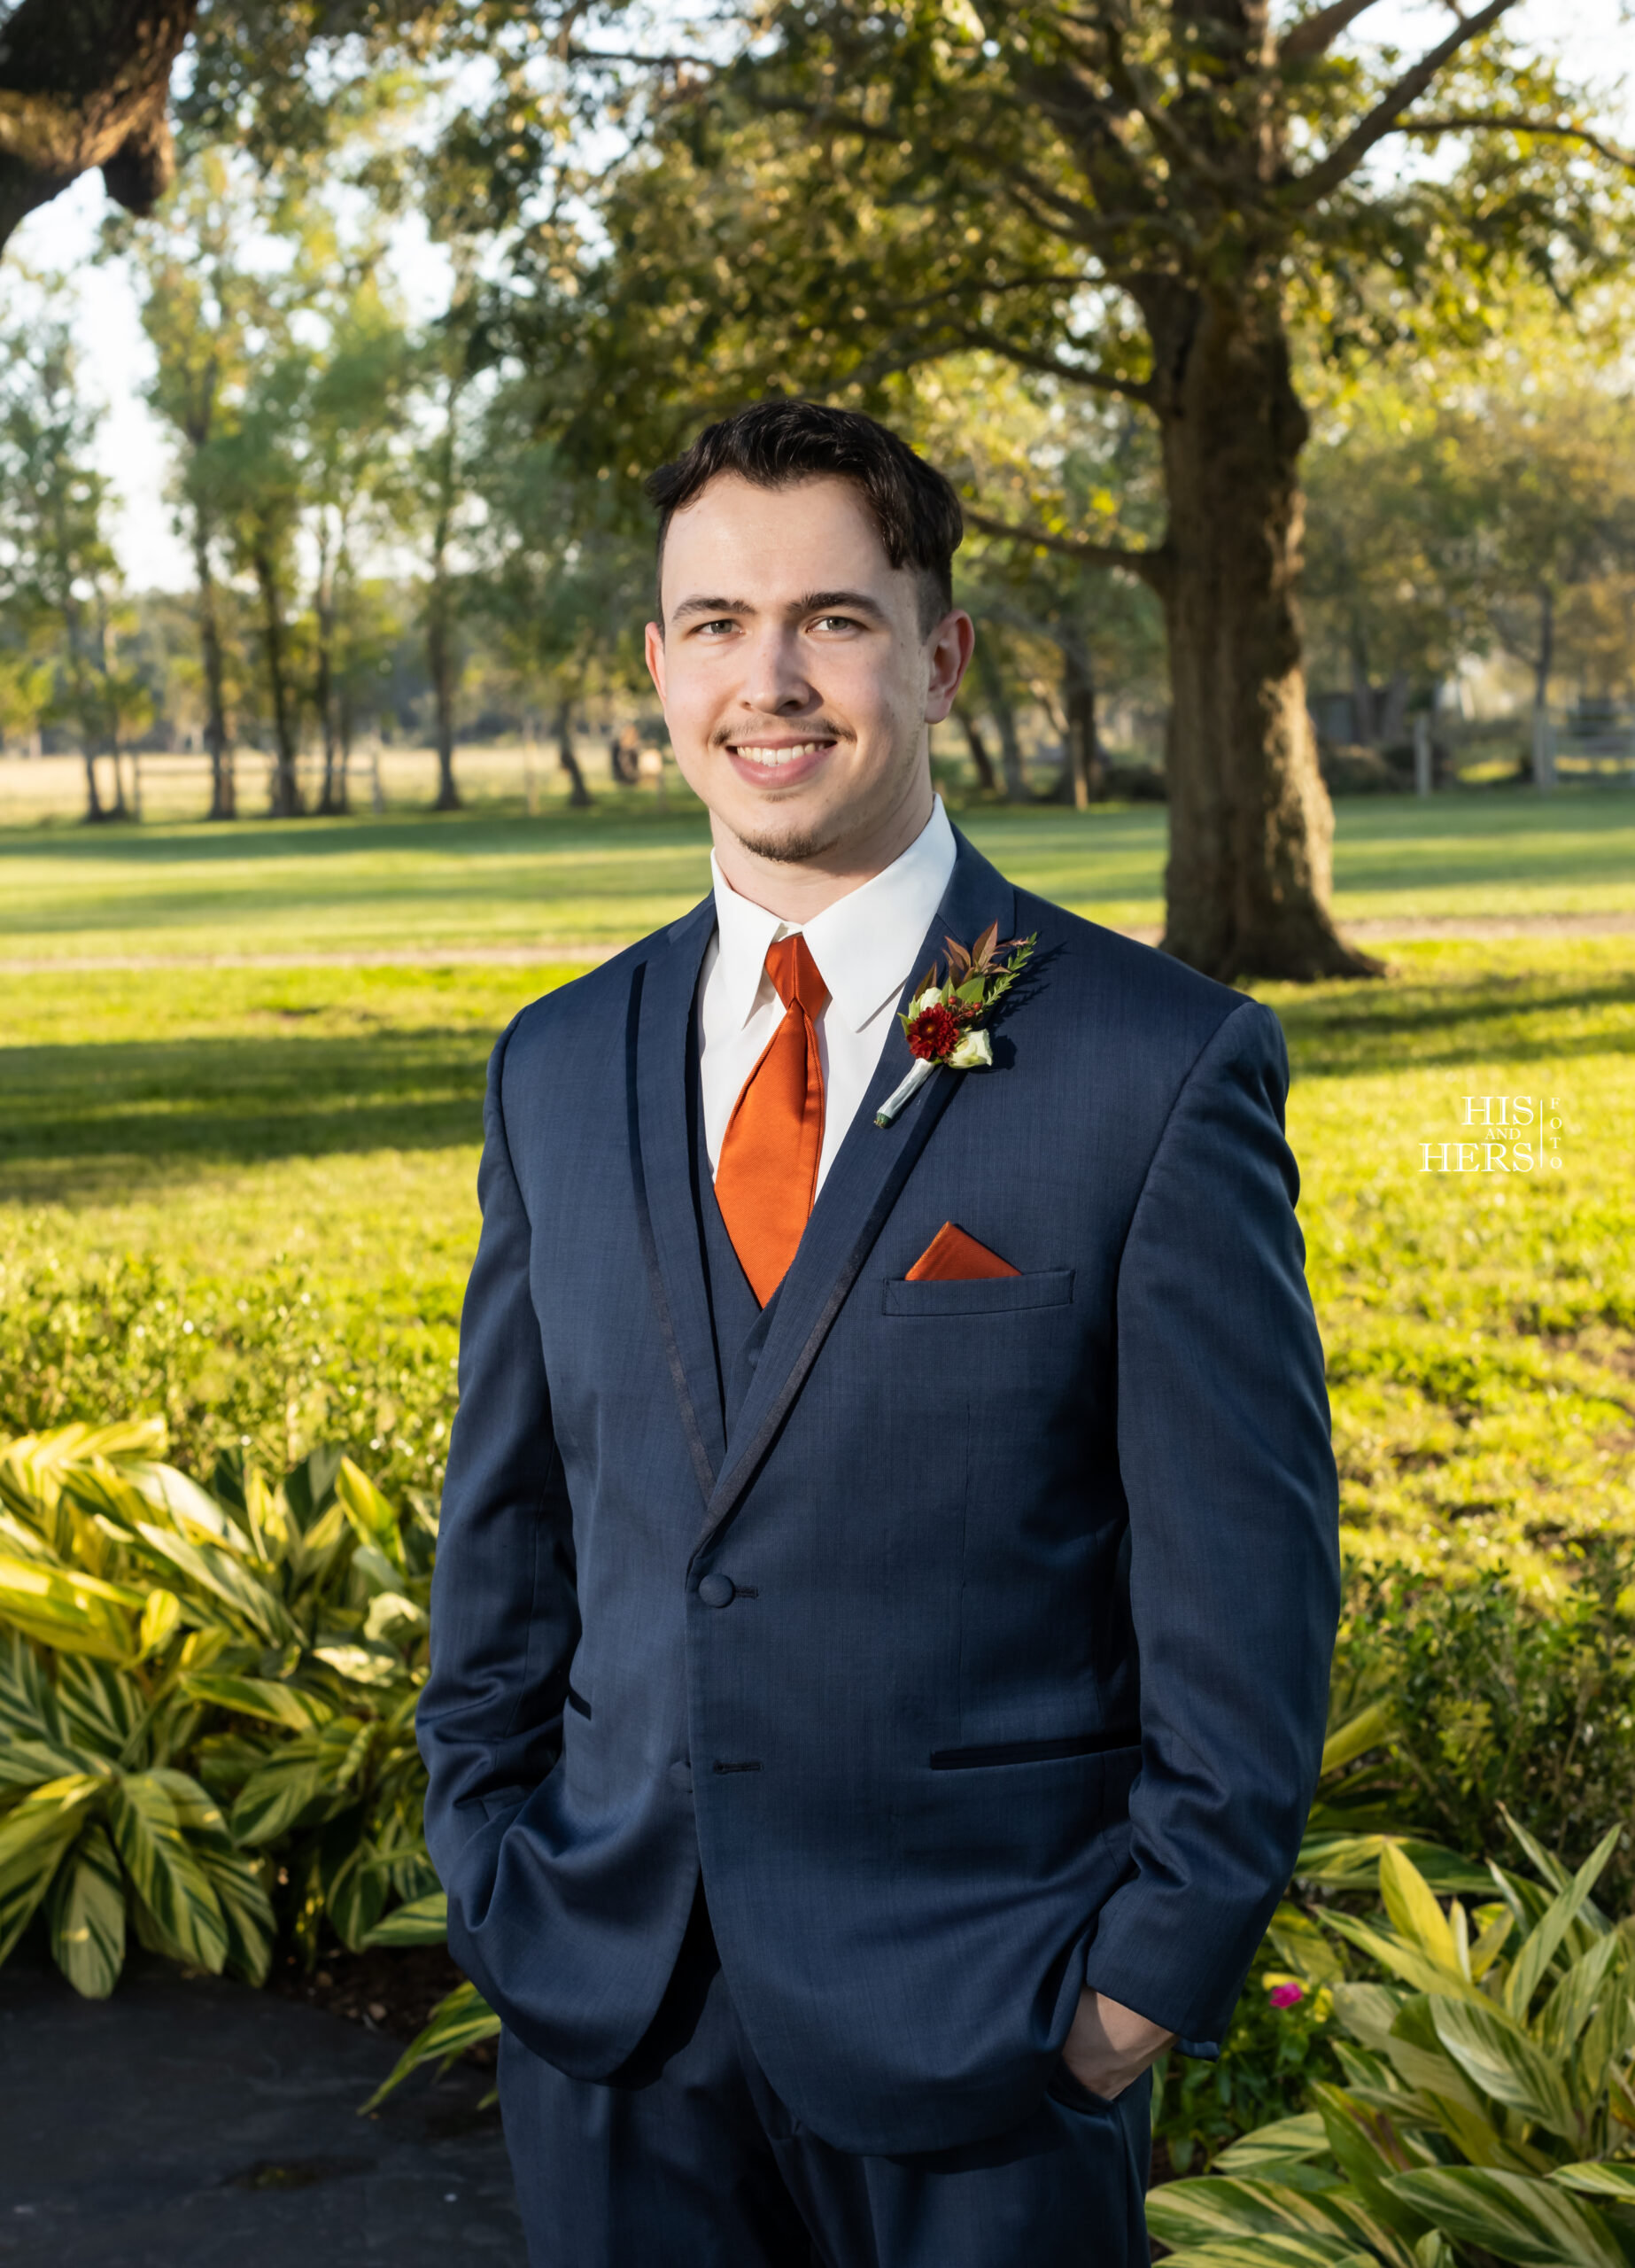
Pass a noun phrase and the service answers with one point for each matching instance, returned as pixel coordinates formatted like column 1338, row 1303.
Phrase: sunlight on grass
column 499, row 880
column 249, row 1197
column 1480, row 1326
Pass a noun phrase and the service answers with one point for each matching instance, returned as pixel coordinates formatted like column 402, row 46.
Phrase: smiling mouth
column 773, row 758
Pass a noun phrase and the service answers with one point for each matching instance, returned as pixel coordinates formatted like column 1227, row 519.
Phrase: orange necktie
column 767, row 1175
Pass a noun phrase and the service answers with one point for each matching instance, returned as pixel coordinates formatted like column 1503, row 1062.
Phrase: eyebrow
column 811, row 602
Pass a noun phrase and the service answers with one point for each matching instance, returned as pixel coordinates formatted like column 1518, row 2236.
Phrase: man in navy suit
column 887, row 1573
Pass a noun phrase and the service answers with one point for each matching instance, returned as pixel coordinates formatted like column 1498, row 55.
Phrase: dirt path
column 549, row 954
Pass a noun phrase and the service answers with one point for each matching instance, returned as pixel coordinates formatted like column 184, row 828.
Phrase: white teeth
column 774, row 756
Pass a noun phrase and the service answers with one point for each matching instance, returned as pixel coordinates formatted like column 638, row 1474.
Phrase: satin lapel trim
column 862, row 1186
column 657, row 1031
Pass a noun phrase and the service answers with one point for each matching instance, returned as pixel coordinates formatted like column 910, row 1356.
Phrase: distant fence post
column 1422, row 752
column 1543, row 751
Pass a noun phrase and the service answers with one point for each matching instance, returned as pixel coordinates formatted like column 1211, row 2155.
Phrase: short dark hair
column 776, row 443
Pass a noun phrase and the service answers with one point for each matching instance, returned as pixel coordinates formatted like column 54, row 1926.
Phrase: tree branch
column 1081, row 222
column 648, row 62
column 1502, row 122
column 1128, row 83
column 1153, row 567
column 1314, row 36
column 1052, row 366
column 1343, row 159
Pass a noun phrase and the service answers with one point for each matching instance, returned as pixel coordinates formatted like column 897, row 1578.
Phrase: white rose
column 974, row 1052
column 927, row 999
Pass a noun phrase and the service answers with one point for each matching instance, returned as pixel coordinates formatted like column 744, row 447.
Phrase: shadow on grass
column 159, row 1110
column 1400, row 1025
column 463, row 835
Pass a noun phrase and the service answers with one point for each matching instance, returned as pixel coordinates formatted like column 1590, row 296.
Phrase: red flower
column 934, row 1033
column 1285, row 1996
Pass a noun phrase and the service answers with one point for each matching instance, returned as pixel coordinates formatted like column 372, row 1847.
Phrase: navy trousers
column 687, row 2159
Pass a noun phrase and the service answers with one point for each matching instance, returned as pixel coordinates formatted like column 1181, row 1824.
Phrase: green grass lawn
column 247, row 1197
column 500, row 879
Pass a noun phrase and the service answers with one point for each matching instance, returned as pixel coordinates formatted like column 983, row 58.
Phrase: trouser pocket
column 1066, row 2089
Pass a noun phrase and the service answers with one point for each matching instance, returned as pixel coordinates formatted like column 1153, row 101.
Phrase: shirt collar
column 864, row 944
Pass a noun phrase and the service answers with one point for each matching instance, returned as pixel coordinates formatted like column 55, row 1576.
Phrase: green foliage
column 853, row 191
column 207, row 1702
column 262, row 1365
column 1276, row 2050
column 460, row 2022
column 1483, row 503
column 1487, row 2097
column 1499, row 1700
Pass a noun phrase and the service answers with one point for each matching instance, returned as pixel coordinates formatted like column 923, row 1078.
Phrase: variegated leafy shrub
column 1488, row 2107
column 206, row 1703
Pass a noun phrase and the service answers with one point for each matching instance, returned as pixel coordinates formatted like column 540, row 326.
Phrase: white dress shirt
column 864, row 946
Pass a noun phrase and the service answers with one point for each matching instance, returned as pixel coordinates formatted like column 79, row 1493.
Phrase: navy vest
column 740, row 1328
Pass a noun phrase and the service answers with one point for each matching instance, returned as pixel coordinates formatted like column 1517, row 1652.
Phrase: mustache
column 820, row 728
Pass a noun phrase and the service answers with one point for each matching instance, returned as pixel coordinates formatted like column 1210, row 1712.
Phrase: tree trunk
column 1546, row 662
column 72, row 625
column 323, row 675
column 440, row 611
column 87, row 86
column 1365, row 710
column 987, row 779
column 441, row 660
column 1250, row 824
column 1393, row 725
column 223, row 792
column 624, row 754
column 286, row 800
column 991, row 681
column 1083, row 767
column 579, row 794
column 94, row 812
column 345, row 731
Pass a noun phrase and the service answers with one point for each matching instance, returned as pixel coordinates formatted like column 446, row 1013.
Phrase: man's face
column 795, row 679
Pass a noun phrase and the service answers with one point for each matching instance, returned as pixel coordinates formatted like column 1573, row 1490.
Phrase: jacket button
column 681, row 1776
column 717, row 1590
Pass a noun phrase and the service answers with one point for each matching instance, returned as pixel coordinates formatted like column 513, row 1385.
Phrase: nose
column 775, row 680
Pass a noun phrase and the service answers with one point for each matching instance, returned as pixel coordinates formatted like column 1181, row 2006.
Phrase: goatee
column 792, row 847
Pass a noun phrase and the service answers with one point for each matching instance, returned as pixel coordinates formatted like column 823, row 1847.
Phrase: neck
column 798, row 889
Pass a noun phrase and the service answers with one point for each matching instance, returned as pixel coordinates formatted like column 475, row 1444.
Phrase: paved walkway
column 572, row 954
column 195, row 2124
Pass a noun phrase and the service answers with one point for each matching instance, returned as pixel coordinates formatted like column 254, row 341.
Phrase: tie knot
column 793, row 970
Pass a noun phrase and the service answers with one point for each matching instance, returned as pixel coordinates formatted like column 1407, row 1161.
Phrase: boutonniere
column 943, row 1026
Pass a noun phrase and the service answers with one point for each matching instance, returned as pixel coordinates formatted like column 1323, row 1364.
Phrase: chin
column 792, row 844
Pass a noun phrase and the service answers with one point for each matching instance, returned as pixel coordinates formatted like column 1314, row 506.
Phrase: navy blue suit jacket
column 1030, row 1583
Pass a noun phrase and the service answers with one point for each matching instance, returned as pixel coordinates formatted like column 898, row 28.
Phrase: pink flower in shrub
column 1285, row 1996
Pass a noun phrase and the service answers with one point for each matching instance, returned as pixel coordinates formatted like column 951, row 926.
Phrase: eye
column 832, row 622
column 713, row 630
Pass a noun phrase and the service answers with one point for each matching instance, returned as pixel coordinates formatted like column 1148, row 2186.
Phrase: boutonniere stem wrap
column 944, row 1026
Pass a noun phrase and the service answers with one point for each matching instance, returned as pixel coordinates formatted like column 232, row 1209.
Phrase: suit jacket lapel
column 658, row 1032
column 858, row 1192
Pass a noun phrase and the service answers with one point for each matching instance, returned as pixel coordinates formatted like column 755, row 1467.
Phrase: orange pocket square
column 953, row 1257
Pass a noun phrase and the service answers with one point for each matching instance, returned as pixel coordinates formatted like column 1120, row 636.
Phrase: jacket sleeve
column 1225, row 1456
column 504, row 1605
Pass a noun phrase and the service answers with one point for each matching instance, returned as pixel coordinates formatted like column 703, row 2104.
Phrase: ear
column 655, row 659
column 952, row 644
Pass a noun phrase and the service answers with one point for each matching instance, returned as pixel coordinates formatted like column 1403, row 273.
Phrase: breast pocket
column 1048, row 1287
